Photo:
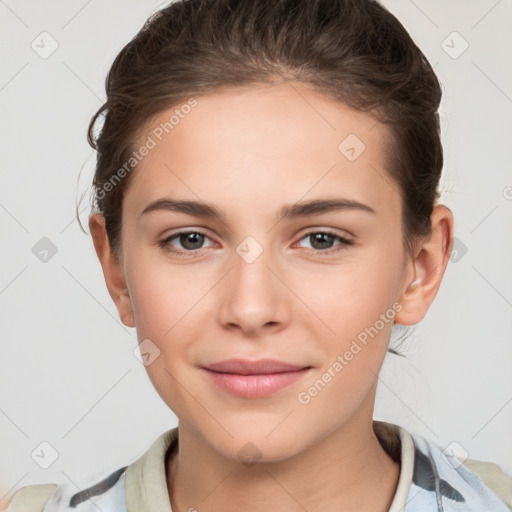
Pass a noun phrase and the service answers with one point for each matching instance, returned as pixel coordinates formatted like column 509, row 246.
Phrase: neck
column 346, row 471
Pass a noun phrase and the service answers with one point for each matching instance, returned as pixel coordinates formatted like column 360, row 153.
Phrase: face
column 267, row 277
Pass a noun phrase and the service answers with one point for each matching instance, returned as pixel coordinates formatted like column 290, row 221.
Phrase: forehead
column 262, row 141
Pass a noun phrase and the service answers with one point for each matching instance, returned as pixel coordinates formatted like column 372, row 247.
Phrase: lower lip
column 255, row 386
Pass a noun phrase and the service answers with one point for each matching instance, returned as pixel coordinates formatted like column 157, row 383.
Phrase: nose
column 253, row 297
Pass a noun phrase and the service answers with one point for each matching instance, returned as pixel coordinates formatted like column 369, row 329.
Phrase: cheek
column 351, row 296
column 162, row 295
column 163, row 305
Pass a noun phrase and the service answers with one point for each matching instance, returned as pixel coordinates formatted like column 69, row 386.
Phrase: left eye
column 322, row 240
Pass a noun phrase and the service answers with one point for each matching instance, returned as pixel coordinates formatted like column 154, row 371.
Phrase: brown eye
column 322, row 241
column 187, row 241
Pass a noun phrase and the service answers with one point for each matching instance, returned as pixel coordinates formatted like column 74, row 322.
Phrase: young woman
column 266, row 210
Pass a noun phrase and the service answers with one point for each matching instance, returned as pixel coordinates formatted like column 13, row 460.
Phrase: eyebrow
column 302, row 209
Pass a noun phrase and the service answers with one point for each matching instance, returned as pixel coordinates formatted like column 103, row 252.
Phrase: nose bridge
column 250, row 249
column 253, row 297
column 252, row 259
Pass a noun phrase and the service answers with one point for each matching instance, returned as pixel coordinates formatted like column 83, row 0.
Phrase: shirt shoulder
column 31, row 498
column 493, row 476
column 442, row 481
column 434, row 479
column 138, row 486
column 108, row 494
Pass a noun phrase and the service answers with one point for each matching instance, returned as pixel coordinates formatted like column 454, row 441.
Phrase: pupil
column 321, row 237
column 185, row 239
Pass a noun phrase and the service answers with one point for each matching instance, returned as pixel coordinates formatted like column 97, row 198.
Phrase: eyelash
column 164, row 244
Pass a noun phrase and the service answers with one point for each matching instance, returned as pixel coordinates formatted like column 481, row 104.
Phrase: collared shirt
column 430, row 480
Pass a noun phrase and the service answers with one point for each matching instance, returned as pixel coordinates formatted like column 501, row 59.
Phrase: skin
column 249, row 152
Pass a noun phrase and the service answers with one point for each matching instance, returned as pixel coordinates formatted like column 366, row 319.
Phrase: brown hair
column 354, row 51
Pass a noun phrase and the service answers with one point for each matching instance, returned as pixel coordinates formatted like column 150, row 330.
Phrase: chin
column 263, row 443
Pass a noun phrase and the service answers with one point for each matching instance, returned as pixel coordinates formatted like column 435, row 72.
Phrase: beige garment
column 146, row 484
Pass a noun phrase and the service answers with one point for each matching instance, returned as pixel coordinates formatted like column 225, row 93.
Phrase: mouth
column 254, row 379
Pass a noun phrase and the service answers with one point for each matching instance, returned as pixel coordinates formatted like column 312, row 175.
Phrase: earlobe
column 112, row 270
column 428, row 268
column 125, row 309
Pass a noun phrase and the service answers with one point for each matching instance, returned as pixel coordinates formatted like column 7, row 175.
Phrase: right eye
column 190, row 241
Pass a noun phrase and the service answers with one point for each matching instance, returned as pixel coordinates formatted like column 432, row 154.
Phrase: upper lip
column 246, row 367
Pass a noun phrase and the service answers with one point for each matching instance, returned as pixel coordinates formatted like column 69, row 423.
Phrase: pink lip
column 254, row 379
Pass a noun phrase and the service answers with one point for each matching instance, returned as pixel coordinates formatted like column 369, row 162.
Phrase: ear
column 427, row 268
column 112, row 270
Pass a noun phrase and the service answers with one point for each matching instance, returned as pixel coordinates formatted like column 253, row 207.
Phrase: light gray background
column 68, row 373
